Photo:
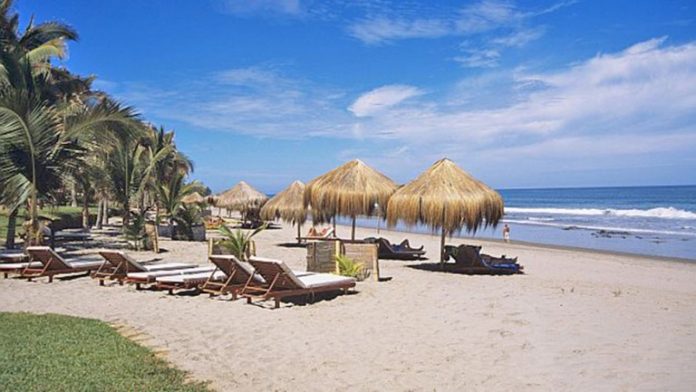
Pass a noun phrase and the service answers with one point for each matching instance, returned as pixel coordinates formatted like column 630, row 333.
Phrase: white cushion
column 321, row 280
column 157, row 274
column 167, row 266
column 219, row 275
column 15, row 266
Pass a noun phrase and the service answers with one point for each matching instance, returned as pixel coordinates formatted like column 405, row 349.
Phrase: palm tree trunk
column 73, row 194
column 100, row 212
column 11, row 228
column 126, row 213
column 85, row 209
column 105, row 215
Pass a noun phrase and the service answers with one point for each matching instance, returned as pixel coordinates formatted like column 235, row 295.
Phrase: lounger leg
column 101, row 282
column 171, row 292
column 137, row 286
column 50, row 278
column 248, row 300
column 6, row 275
column 277, row 302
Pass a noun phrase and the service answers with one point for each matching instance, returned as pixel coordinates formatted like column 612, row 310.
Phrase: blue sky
column 520, row 94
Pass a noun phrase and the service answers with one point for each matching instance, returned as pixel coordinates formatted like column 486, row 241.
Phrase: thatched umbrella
column 448, row 198
column 241, row 197
column 288, row 205
column 351, row 189
column 194, row 198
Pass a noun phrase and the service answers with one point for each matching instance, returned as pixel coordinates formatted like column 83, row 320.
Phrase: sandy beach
column 575, row 321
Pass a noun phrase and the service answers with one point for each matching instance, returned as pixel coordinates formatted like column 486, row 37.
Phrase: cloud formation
column 635, row 102
column 381, row 99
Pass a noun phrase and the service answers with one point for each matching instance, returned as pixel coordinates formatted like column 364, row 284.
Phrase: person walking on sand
column 506, row 233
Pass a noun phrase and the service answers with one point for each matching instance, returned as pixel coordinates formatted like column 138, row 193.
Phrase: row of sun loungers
column 259, row 279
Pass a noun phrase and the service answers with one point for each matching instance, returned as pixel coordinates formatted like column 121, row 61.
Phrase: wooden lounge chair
column 469, row 260
column 402, row 251
column 52, row 264
column 150, row 277
column 326, row 233
column 237, row 274
column 118, row 264
column 282, row 282
column 8, row 269
column 13, row 256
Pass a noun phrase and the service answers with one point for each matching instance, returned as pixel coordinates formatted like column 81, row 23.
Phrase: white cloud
column 382, row 98
column 242, row 7
column 635, row 102
column 382, row 29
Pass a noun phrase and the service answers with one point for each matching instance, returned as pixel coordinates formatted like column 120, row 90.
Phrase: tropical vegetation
column 62, row 139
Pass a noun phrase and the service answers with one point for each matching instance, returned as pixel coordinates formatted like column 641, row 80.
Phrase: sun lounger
column 150, row 277
column 402, row 251
column 469, row 260
column 282, row 282
column 326, row 234
column 17, row 268
column 118, row 264
column 12, row 256
column 237, row 275
column 52, row 264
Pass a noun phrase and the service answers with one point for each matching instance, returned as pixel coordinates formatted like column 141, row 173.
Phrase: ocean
column 651, row 220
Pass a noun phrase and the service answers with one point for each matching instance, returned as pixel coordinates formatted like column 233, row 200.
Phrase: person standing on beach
column 506, row 233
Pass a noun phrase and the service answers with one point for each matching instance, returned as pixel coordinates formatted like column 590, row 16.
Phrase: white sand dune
column 575, row 321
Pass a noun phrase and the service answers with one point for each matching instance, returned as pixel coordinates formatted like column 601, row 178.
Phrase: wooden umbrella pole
column 299, row 233
column 352, row 230
column 442, row 240
column 334, row 225
column 442, row 246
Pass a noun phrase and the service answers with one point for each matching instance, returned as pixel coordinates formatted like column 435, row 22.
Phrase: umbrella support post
column 442, row 248
column 352, row 230
column 299, row 233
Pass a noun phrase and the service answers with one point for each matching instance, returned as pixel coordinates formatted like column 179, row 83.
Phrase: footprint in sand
column 502, row 332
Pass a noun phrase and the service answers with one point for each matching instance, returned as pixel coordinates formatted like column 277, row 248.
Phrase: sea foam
column 660, row 212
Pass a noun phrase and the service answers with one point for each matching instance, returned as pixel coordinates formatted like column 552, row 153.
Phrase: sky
column 521, row 94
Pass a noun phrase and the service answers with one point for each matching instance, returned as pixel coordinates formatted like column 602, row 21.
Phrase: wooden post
column 442, row 240
column 442, row 246
column 334, row 225
column 352, row 230
column 299, row 233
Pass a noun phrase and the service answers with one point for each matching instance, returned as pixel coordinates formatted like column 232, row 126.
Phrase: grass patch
column 40, row 352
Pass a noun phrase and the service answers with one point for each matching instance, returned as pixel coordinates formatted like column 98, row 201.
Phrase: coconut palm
column 171, row 196
column 38, row 146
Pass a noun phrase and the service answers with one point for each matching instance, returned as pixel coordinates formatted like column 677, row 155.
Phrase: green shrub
column 348, row 267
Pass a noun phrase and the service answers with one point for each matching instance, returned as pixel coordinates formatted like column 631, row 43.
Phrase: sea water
column 655, row 220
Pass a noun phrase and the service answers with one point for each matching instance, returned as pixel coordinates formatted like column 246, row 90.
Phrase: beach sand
column 575, row 321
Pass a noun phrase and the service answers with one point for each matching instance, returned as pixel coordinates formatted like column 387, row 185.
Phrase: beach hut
column 351, row 189
column 194, row 198
column 287, row 205
column 241, row 197
column 447, row 198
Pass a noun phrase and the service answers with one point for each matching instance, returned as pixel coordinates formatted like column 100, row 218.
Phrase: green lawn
column 62, row 353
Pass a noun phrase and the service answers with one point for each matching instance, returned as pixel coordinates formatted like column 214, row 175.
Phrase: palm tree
column 38, row 146
column 171, row 195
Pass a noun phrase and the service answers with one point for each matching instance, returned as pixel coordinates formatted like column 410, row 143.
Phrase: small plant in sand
column 238, row 242
column 348, row 267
